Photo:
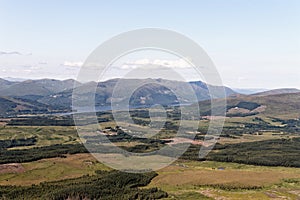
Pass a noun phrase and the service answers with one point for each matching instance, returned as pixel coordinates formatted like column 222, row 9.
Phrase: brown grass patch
column 176, row 176
column 11, row 168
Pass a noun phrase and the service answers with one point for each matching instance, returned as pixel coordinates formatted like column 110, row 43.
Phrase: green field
column 53, row 169
column 46, row 135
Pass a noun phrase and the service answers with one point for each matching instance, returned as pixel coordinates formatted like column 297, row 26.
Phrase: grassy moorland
column 51, row 169
column 256, row 157
column 45, row 135
column 192, row 180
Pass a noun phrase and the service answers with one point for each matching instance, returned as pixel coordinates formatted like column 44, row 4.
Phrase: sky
column 253, row 44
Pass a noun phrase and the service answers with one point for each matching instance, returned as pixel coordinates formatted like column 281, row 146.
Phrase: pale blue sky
column 253, row 43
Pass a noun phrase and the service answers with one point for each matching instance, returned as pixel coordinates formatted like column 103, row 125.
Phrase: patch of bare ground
column 3, row 121
column 238, row 110
column 260, row 109
column 296, row 192
column 210, row 193
column 179, row 140
column 11, row 168
column 271, row 195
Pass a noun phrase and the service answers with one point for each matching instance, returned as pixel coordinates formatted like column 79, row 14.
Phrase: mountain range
column 56, row 95
column 50, row 95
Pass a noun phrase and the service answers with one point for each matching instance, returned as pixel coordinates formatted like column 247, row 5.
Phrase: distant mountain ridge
column 39, row 87
column 50, row 95
column 248, row 91
column 5, row 83
column 277, row 91
column 12, row 79
column 158, row 91
column 57, row 94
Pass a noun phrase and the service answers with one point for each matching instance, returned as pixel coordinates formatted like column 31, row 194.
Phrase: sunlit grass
column 53, row 169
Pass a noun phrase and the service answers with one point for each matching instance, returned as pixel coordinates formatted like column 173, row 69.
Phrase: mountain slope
column 40, row 87
column 249, row 91
column 5, row 83
column 277, row 91
column 285, row 105
column 12, row 106
column 145, row 92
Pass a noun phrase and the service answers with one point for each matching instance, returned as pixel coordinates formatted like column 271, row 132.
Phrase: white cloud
column 42, row 63
column 22, row 69
column 156, row 63
column 72, row 64
column 14, row 53
column 35, row 68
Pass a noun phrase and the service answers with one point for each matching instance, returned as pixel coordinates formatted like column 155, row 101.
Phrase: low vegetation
column 279, row 152
column 37, row 153
column 108, row 185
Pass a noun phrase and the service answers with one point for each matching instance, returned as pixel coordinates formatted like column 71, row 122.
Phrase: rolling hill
column 154, row 91
column 285, row 105
column 40, row 87
column 11, row 106
column 5, row 83
column 277, row 91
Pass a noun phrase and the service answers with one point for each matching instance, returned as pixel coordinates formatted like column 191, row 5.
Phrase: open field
column 53, row 169
column 182, row 180
column 255, row 137
column 227, row 181
column 45, row 135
